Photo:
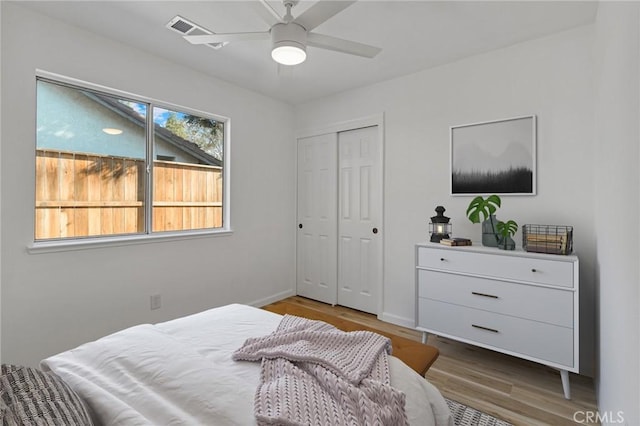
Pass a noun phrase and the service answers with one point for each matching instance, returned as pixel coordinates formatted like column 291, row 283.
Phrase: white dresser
column 522, row 304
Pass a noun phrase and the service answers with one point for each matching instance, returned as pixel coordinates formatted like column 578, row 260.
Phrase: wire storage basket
column 552, row 239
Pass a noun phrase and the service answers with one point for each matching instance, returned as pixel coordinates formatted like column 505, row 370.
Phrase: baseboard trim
column 397, row 320
column 271, row 299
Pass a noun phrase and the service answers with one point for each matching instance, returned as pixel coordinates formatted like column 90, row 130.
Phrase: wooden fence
column 80, row 195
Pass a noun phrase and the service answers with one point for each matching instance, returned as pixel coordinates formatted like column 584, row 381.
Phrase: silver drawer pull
column 485, row 328
column 484, row 295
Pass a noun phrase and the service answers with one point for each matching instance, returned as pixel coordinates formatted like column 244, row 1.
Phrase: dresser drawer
column 501, row 266
column 524, row 337
column 519, row 300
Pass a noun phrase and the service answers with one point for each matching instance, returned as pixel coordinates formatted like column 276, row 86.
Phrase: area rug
column 467, row 416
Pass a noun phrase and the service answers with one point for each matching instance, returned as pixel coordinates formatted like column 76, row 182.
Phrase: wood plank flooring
column 518, row 391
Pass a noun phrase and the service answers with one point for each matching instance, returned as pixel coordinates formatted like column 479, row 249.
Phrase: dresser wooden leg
column 564, row 374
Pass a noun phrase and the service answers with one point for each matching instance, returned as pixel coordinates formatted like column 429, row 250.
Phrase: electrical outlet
column 156, row 301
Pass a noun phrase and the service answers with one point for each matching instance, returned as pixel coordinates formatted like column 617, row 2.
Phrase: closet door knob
column 300, row 225
column 375, row 230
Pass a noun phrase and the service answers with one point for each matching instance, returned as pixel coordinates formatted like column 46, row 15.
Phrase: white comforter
column 181, row 373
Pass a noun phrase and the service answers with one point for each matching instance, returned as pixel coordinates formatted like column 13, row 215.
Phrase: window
column 95, row 173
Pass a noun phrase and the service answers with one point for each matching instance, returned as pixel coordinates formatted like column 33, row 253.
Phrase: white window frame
column 147, row 236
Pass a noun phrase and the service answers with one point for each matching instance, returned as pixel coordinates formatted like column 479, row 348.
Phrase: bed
column 181, row 372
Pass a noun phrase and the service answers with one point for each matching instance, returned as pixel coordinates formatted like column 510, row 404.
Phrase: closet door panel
column 360, row 219
column 316, row 262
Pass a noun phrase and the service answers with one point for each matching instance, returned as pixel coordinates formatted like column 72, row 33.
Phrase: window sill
column 90, row 243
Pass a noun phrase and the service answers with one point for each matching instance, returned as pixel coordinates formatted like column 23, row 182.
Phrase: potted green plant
column 483, row 210
column 507, row 230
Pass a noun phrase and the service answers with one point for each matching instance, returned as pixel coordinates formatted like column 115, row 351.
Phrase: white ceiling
column 414, row 35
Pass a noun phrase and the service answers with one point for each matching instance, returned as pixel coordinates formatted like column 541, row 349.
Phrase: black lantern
column 439, row 226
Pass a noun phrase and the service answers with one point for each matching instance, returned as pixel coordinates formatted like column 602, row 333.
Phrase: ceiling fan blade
column 267, row 13
column 221, row 38
column 341, row 45
column 320, row 12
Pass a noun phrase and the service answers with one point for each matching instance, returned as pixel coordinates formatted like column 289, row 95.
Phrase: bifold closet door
column 316, row 259
column 360, row 219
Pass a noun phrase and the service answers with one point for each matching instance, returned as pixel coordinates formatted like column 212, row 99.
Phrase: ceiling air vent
column 180, row 25
column 184, row 27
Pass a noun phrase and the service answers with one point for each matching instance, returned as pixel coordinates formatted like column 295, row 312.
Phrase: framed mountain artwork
column 494, row 157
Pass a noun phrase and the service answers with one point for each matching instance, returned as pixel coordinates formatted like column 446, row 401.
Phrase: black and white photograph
column 494, row 157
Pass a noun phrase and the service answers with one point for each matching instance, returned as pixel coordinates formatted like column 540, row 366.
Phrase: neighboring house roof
column 123, row 110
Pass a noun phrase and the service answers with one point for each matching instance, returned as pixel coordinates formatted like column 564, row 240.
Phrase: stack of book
column 455, row 241
column 546, row 243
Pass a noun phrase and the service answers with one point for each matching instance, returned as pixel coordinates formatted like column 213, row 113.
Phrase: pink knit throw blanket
column 315, row 374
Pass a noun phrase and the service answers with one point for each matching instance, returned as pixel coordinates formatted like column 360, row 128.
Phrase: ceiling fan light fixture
column 289, row 35
column 289, row 53
column 289, row 44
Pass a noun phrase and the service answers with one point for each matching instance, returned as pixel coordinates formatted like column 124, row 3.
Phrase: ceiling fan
column 290, row 36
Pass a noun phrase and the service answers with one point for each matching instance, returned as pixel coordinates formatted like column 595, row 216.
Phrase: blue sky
column 160, row 115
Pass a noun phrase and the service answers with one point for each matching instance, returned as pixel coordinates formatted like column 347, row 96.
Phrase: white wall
column 549, row 77
column 617, row 59
column 55, row 301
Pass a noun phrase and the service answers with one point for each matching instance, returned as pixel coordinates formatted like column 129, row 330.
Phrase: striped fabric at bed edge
column 36, row 397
